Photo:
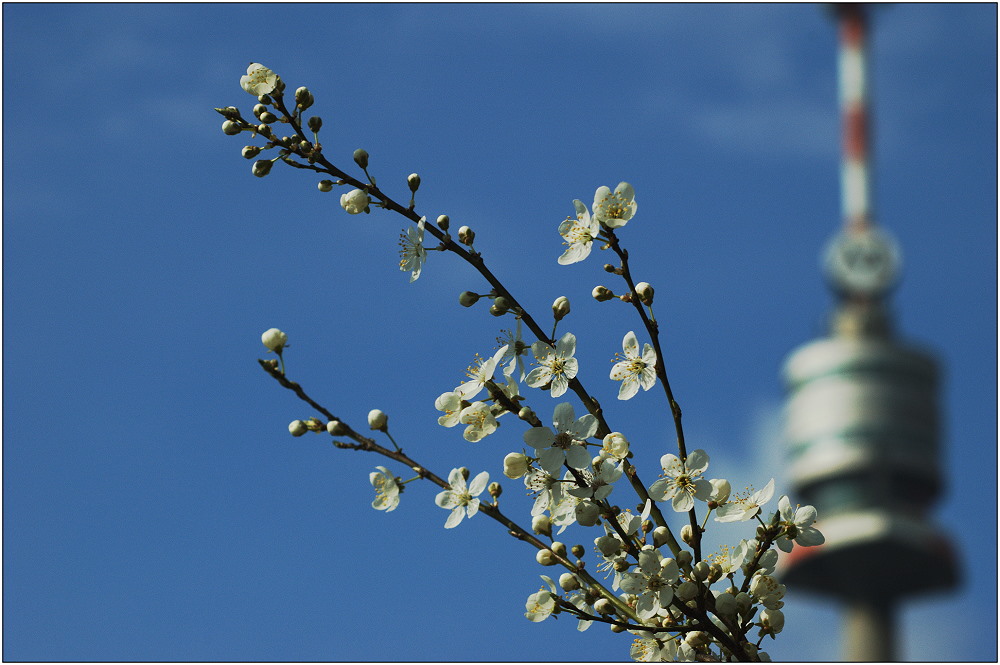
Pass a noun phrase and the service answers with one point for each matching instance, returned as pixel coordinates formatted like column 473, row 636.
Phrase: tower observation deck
column 862, row 419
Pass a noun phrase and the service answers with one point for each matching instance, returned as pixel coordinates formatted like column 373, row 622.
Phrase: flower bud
column 361, row 158
column 602, row 293
column 336, row 428
column 413, row 180
column 588, row 513
column 325, row 185
column 615, row 445
column 686, row 591
column 608, row 545
column 466, row 236
column 444, row 222
column 229, row 113
column 502, row 304
column 687, row 535
column 578, row 551
column 700, row 571
column 558, row 548
column 297, row 428
column 274, row 340
column 231, row 128
column 258, row 109
column 315, row 123
column 542, row 525
column 303, row 98
column 720, row 490
column 377, row 420
column 725, row 605
column 265, row 131
column 744, row 603
column 495, row 490
column 569, row 582
column 526, row 413
column 515, row 465
column 468, row 298
column 268, row 118
column 546, row 557
column 604, row 606
column 645, row 293
column 355, row 201
column 772, row 621
column 497, row 311
column 697, row 638
column 714, row 573
column 261, row 167
column 660, row 536
column 560, row 308
column 250, row 151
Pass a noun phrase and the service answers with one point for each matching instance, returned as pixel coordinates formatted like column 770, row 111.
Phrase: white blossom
column 635, row 369
column 480, row 420
column 556, row 365
column 798, row 525
column 461, row 499
column 541, row 603
column 451, row 404
column 614, row 209
column 579, row 234
column 683, row 482
column 259, row 80
column 386, row 489
column 479, row 372
column 652, row 650
column 652, row 583
column 599, row 484
column 744, row 508
column 411, row 249
column 355, row 201
column 566, row 444
column 516, row 348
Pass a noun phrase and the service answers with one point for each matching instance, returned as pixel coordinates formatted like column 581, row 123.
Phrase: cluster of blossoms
column 678, row 603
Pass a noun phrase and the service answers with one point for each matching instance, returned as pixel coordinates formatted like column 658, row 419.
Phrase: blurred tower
column 862, row 417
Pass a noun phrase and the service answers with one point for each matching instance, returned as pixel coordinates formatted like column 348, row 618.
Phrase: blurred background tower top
column 862, row 418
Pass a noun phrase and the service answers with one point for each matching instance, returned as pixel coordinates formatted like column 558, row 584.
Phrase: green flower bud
column 230, row 128
column 413, row 180
column 645, row 293
column 495, row 490
column 542, row 525
column 577, row 551
column 468, row 298
column 325, row 185
column 297, row 428
column 444, row 222
column 604, row 606
column 336, row 428
column 558, row 548
column 602, row 293
column 262, row 167
column 466, row 236
column 315, row 123
column 545, row 558
column 251, row 151
column 268, row 118
column 303, row 98
column 569, row 582
column 361, row 158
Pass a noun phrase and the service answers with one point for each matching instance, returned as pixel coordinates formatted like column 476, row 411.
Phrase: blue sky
column 155, row 507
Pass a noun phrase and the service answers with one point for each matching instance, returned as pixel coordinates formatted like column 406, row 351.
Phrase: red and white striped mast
column 853, row 81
